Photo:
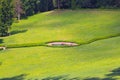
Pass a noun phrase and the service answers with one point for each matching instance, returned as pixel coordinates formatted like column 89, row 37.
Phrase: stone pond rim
column 62, row 44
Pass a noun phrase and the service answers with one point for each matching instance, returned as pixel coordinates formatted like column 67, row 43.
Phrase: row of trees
column 30, row 7
column 88, row 4
column 10, row 9
column 96, row 3
column 6, row 15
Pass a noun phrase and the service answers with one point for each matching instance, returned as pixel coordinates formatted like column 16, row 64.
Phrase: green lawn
column 95, row 59
column 75, row 26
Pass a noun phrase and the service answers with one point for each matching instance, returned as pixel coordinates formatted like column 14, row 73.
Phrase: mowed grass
column 74, row 26
column 96, row 59
column 92, row 60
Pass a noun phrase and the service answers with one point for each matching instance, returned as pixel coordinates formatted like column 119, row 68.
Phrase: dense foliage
column 24, row 8
column 30, row 7
column 6, row 15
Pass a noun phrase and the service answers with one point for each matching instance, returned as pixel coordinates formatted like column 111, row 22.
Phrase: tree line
column 18, row 9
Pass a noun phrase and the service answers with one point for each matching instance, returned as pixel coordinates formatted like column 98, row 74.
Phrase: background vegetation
column 24, row 8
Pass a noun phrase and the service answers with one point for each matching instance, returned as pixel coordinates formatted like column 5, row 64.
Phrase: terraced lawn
column 96, row 58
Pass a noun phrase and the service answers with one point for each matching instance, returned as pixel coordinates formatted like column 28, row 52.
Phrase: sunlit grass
column 95, row 59
column 76, row 26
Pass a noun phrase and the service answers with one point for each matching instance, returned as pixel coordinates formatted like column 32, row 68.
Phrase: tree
column 29, row 7
column 50, row 5
column 6, row 15
column 18, row 8
column 117, row 4
column 43, row 5
column 58, row 3
column 65, row 4
column 73, row 4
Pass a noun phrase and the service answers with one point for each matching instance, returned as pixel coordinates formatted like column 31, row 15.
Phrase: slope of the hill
column 75, row 26
column 98, row 60
column 93, row 60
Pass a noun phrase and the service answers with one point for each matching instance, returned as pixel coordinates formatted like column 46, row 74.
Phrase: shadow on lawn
column 54, row 78
column 77, row 78
column 114, row 73
column 0, row 63
column 16, row 32
column 20, row 77
column 1, row 40
column 97, row 78
column 111, row 76
column 61, row 78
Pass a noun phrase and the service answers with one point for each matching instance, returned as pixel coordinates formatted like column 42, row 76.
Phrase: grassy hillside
column 75, row 26
column 98, row 60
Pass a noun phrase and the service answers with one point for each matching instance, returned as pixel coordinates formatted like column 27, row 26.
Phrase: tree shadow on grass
column 97, row 78
column 0, row 63
column 64, row 77
column 77, row 78
column 54, row 78
column 93, row 78
column 17, row 32
column 19, row 77
column 115, row 72
column 1, row 41
column 111, row 76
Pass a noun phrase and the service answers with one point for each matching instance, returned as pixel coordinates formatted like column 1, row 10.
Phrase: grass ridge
column 101, row 38
column 44, row 44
